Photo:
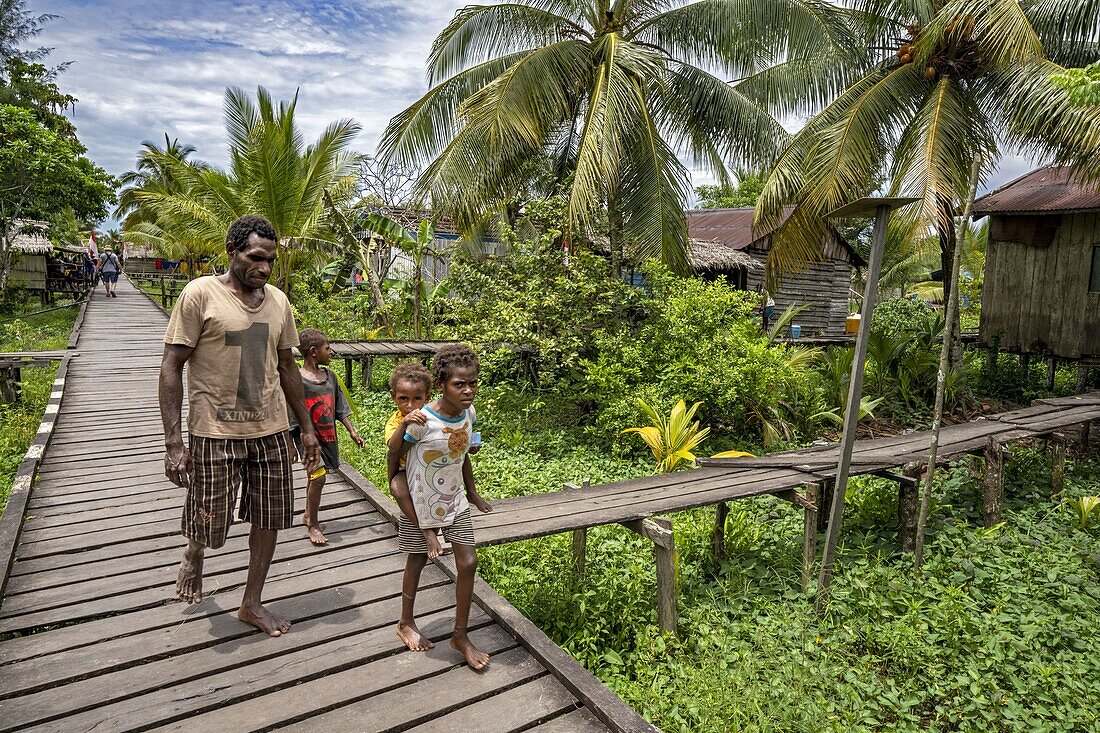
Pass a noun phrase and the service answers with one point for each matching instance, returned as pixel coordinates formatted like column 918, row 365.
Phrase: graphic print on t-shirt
column 252, row 376
column 322, row 410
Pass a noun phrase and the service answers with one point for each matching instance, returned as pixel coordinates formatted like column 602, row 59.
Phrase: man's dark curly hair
column 311, row 338
column 237, row 236
column 452, row 357
column 412, row 371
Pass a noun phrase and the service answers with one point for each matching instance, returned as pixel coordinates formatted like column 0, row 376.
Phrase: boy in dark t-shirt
column 326, row 404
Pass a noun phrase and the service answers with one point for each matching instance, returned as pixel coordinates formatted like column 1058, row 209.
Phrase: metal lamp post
column 880, row 209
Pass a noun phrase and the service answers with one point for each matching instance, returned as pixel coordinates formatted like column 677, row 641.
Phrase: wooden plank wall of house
column 823, row 285
column 1036, row 295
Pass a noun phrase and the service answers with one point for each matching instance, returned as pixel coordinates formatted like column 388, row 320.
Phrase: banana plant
column 418, row 248
column 671, row 439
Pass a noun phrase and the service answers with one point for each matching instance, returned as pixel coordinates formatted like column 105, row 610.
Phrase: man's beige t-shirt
column 233, row 388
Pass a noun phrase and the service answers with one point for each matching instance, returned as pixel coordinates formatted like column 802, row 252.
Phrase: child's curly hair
column 452, row 357
column 311, row 338
column 411, row 371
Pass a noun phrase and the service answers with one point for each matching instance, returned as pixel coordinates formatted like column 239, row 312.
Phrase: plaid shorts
column 222, row 465
column 411, row 538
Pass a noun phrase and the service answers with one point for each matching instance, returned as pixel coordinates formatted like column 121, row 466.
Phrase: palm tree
column 149, row 175
column 949, row 81
column 609, row 91
column 272, row 172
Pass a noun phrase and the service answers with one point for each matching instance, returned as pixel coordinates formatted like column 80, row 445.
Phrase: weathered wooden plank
column 578, row 721
column 331, row 567
column 60, row 570
column 230, row 646
column 116, row 578
column 515, row 709
column 392, row 693
column 213, row 677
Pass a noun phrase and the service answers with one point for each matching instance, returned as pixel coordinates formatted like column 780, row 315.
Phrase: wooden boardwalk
column 93, row 640
column 724, row 480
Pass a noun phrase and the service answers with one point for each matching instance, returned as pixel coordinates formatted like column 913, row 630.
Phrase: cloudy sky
column 142, row 69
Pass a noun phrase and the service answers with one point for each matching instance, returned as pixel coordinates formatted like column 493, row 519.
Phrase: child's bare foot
column 476, row 658
column 306, row 522
column 189, row 579
column 263, row 620
column 414, row 640
column 434, row 548
column 315, row 535
column 482, row 506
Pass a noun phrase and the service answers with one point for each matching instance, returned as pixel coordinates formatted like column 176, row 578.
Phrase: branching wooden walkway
column 92, row 639
column 720, row 480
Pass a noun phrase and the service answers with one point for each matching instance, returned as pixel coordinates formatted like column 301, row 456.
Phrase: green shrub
column 900, row 315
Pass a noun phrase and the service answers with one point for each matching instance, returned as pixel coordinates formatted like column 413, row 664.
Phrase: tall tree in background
column 952, row 81
column 150, row 175
column 17, row 26
column 39, row 173
column 272, row 172
column 610, row 91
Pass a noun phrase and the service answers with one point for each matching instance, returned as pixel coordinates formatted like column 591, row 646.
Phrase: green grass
column 19, row 422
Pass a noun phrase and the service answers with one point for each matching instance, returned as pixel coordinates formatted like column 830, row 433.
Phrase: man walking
column 236, row 333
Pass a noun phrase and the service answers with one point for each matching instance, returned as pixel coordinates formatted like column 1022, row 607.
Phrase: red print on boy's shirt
column 322, row 410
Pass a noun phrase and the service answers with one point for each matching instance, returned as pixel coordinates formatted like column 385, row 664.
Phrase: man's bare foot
column 263, row 620
column 482, row 506
column 306, row 523
column 476, row 658
column 189, row 579
column 414, row 640
column 434, row 548
column 315, row 535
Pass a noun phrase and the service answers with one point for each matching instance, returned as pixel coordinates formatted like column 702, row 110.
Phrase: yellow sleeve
column 392, row 424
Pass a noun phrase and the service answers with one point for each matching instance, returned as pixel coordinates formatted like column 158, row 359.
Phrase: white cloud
column 144, row 69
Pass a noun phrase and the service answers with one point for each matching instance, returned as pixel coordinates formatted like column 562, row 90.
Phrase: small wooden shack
column 30, row 250
column 1042, row 267
column 725, row 244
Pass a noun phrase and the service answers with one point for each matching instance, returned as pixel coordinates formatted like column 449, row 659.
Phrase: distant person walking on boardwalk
column 109, row 267
column 236, row 333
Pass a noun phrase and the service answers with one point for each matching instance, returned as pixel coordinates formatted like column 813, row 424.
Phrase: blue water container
column 796, row 331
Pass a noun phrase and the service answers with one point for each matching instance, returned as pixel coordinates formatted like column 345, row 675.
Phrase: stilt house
column 1041, row 293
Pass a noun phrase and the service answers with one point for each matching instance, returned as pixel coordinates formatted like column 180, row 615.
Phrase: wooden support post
column 826, row 493
column 1082, row 378
column 908, row 506
column 718, row 537
column 347, row 373
column 9, row 393
column 1057, row 447
column 163, row 294
column 1051, row 368
column 993, row 501
column 367, row 365
column 580, row 537
column 1025, row 367
column 809, row 535
column 658, row 530
column 973, row 466
column 991, row 359
column 1083, row 441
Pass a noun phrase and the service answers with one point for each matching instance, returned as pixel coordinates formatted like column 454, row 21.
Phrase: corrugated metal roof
column 1048, row 190
column 731, row 227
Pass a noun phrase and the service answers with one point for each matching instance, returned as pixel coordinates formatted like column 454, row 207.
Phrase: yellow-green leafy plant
column 671, row 439
column 1083, row 505
column 733, row 454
